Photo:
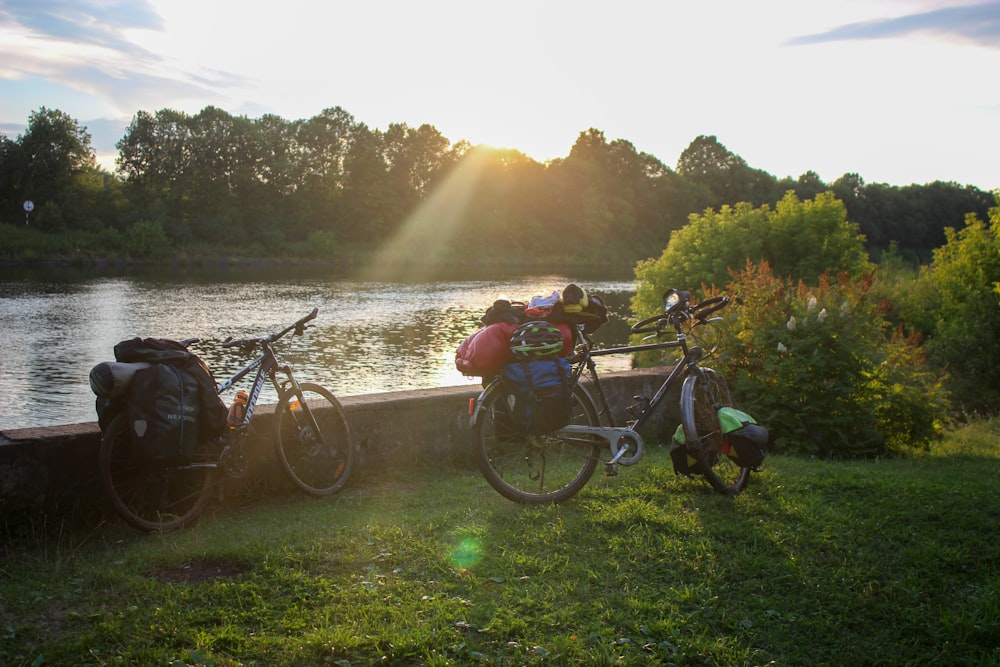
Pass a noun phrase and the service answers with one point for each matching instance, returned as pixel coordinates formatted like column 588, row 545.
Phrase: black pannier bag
column 683, row 461
column 171, row 404
column 110, row 382
column 745, row 440
column 163, row 412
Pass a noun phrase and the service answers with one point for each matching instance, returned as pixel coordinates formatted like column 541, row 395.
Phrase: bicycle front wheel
column 313, row 440
column 703, row 393
column 534, row 469
column 153, row 497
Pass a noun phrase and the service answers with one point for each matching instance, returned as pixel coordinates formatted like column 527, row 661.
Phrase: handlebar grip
column 643, row 326
column 709, row 306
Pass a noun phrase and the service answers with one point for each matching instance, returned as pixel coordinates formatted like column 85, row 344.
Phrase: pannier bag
column 683, row 461
column 169, row 395
column 110, row 382
column 212, row 410
column 163, row 411
column 537, row 382
column 538, row 394
column 745, row 440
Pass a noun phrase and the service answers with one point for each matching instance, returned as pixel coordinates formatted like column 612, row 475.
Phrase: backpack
column 539, row 394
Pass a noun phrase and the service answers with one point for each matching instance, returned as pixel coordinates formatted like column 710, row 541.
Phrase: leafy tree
column 809, row 185
column 154, row 155
column 799, row 239
column 957, row 306
column 53, row 165
column 725, row 176
column 366, row 202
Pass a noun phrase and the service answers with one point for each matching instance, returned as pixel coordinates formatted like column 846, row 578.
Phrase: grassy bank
column 818, row 563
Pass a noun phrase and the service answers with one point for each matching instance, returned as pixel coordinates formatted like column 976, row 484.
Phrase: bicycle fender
column 476, row 404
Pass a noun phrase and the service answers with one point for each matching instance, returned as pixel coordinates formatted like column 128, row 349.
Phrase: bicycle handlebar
column 678, row 308
column 299, row 327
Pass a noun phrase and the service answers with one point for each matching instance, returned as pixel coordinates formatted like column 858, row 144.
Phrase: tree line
column 331, row 188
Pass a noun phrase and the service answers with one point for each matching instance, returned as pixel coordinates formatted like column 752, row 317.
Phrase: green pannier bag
column 745, row 440
column 744, row 443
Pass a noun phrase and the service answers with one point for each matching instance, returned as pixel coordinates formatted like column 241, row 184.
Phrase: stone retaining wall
column 53, row 470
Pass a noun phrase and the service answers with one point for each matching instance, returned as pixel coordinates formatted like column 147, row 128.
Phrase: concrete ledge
column 53, row 470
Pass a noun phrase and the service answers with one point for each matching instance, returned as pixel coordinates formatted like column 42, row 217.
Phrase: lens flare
column 467, row 553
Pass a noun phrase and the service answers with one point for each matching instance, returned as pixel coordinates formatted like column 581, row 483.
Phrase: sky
column 896, row 91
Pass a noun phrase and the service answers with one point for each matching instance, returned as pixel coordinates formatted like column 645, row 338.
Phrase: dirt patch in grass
column 196, row 572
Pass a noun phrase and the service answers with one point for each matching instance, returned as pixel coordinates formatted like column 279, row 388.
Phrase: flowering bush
column 821, row 369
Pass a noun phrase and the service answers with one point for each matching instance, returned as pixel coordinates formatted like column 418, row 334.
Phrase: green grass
column 893, row 562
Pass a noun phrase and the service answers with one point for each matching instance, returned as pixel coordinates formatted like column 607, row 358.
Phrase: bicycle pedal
column 610, row 469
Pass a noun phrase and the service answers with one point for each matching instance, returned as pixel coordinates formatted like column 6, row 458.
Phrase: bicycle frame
column 624, row 439
column 265, row 365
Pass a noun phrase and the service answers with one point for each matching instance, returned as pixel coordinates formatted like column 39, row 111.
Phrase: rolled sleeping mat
column 111, row 379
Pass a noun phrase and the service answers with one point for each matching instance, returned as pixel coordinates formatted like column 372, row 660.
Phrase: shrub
column 822, row 369
column 146, row 239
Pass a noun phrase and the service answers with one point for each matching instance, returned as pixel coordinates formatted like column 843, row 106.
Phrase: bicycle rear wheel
column 533, row 469
column 150, row 496
column 703, row 393
column 314, row 444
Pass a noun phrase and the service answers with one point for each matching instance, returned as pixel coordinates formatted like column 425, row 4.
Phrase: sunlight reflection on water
column 369, row 337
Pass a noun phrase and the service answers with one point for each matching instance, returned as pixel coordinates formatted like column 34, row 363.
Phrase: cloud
column 89, row 48
column 96, row 22
column 975, row 23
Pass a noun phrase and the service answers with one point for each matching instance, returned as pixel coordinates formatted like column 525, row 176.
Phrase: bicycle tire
column 153, row 497
column 318, row 463
column 533, row 469
column 703, row 393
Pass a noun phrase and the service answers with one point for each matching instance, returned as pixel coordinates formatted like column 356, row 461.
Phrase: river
column 369, row 337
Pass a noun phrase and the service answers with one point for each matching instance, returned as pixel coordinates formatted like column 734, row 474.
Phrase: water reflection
column 369, row 337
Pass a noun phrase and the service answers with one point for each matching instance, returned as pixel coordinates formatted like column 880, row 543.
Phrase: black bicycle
column 310, row 433
column 553, row 467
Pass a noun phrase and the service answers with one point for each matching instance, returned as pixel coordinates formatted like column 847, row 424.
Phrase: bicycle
column 552, row 468
column 311, row 438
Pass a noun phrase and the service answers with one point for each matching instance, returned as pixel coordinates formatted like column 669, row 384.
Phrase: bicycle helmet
column 536, row 340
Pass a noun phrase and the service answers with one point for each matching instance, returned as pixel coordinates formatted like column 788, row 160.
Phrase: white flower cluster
column 811, row 304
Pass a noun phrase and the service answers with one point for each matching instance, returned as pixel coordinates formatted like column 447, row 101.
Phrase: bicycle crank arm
column 625, row 444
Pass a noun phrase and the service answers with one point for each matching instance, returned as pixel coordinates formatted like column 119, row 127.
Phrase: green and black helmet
column 536, row 340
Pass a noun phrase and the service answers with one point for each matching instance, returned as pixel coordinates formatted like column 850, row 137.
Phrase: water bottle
column 238, row 409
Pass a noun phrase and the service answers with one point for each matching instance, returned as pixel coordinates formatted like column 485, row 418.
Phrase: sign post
column 29, row 206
